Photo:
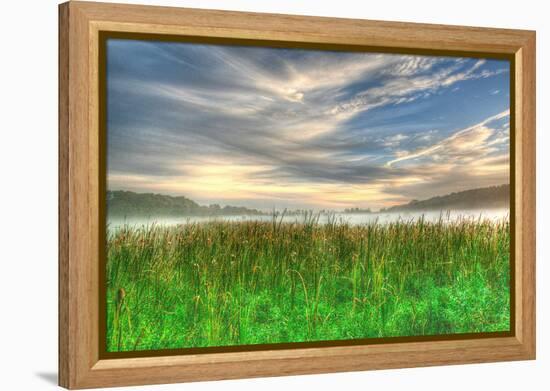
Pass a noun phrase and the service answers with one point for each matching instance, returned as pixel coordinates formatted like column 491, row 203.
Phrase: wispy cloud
column 465, row 140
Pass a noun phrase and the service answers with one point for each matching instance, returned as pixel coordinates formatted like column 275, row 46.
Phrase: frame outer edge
column 64, row 367
column 75, row 259
column 528, row 188
column 82, row 295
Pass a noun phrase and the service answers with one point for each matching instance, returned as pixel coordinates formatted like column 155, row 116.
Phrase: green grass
column 227, row 283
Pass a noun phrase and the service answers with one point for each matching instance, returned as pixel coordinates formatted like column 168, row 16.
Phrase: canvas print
column 260, row 195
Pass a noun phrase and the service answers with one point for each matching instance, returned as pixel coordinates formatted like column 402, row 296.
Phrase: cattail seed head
column 120, row 295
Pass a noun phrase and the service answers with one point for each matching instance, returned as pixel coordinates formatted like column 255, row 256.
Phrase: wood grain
column 79, row 27
column 64, row 354
column 527, row 187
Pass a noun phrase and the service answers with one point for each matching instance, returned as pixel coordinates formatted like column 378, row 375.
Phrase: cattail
column 119, row 301
column 120, row 295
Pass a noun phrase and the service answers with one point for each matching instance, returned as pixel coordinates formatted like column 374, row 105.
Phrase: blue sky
column 274, row 128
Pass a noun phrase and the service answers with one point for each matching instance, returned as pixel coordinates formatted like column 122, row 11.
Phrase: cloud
column 463, row 141
column 410, row 86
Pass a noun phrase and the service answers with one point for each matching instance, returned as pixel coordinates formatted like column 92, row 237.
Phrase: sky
column 292, row 128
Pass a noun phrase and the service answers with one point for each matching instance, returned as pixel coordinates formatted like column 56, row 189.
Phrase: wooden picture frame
column 80, row 165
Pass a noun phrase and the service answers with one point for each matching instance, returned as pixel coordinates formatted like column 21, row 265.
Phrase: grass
column 235, row 283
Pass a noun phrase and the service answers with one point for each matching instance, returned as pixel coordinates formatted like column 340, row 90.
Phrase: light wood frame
column 80, row 23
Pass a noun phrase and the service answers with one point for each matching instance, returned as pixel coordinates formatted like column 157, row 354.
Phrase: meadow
column 255, row 282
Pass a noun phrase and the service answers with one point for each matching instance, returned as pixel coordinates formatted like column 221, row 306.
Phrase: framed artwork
column 248, row 195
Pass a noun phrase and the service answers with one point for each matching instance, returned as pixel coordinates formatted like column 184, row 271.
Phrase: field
column 227, row 283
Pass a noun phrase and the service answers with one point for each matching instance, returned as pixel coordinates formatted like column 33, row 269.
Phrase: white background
column 28, row 194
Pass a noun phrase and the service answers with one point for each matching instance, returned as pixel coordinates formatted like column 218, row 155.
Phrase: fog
column 323, row 218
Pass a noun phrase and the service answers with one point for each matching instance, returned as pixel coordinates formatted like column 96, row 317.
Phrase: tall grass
column 227, row 283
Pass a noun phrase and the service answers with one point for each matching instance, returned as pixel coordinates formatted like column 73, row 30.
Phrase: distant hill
column 129, row 204
column 494, row 197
